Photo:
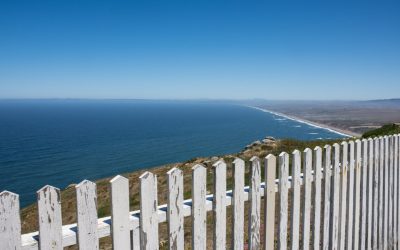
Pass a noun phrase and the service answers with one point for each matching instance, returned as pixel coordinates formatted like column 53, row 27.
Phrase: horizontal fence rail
column 344, row 196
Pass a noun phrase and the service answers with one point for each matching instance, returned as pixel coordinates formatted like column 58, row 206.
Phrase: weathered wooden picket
column 351, row 202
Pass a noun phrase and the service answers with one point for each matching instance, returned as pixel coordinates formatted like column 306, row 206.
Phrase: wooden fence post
column 238, row 204
column 327, row 197
column 10, row 222
column 86, row 202
column 363, row 210
column 175, row 209
column 307, row 180
column 199, row 212
column 357, row 194
column 317, row 166
column 350, row 198
column 255, row 204
column 343, row 195
column 295, row 218
column 219, row 205
column 50, row 220
column 120, row 231
column 370, row 189
column 334, row 226
column 283, row 199
column 269, row 201
column 148, row 212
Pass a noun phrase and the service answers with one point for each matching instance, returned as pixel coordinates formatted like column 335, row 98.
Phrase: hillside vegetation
column 388, row 129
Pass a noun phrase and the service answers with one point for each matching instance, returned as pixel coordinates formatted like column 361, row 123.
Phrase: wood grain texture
column 375, row 204
column 343, row 196
column 350, row 197
column 238, row 204
column 381, row 191
column 219, row 206
column 317, row 167
column 269, row 199
column 370, row 190
column 386, row 194
column 364, row 186
column 395, row 190
column 335, row 196
column 175, row 209
column 295, row 218
column 120, row 230
column 327, row 197
column 283, row 195
column 148, row 209
column 357, row 194
column 10, row 222
column 86, row 202
column 306, row 208
column 390, row 202
column 199, row 212
column 255, row 204
column 50, row 220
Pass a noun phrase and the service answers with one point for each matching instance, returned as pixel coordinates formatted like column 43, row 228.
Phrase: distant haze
column 200, row 49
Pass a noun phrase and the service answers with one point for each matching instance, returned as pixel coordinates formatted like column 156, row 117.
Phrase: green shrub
column 388, row 129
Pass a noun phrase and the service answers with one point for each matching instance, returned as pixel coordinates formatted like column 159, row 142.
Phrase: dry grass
column 29, row 214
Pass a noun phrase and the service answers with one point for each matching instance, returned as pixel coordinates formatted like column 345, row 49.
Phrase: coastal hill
column 259, row 148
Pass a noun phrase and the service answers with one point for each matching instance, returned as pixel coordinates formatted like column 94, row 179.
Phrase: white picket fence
column 356, row 194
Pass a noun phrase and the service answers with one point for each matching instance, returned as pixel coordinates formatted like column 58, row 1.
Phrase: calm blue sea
column 59, row 142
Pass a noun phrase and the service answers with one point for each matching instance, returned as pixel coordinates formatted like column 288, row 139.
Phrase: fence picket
column 375, row 227
column 86, row 202
column 381, row 192
column 307, row 179
column 360, row 205
column 10, row 222
column 50, row 222
column 219, row 205
column 370, row 193
column 343, row 195
column 364, row 173
column 327, row 197
column 283, row 195
column 357, row 194
column 295, row 218
column 199, row 212
column 175, row 209
column 395, row 190
column 120, row 230
column 238, row 205
column 317, row 167
column 386, row 194
column 148, row 208
column 255, row 204
column 334, row 226
column 350, row 197
column 269, row 202
column 390, row 175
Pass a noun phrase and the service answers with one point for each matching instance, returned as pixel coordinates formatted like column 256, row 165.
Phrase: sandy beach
column 343, row 132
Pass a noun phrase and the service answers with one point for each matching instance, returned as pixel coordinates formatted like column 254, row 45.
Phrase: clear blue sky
column 200, row 49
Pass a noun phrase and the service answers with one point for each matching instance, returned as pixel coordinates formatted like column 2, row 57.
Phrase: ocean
column 59, row 142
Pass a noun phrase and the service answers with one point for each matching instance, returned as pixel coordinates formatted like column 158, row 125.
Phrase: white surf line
column 300, row 121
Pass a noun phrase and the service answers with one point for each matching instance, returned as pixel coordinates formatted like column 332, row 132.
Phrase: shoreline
column 310, row 123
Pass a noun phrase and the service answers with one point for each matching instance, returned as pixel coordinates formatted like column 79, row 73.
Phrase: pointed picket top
column 50, row 220
column 219, row 163
column 84, row 183
column 6, row 193
column 238, row 160
column 146, row 175
column 318, row 148
column 254, row 158
column 270, row 156
column 296, row 151
column 283, row 154
column 307, row 150
column 10, row 222
column 118, row 179
column 198, row 167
